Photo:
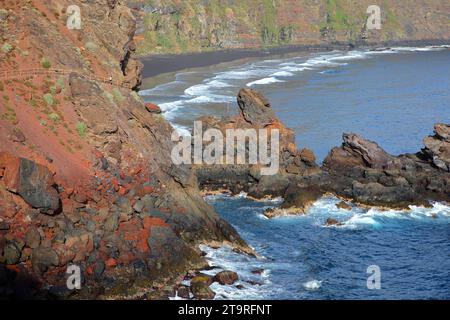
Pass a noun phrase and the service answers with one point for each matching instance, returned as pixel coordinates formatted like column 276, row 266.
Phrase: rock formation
column 360, row 170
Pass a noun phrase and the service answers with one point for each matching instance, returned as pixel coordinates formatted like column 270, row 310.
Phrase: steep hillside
column 193, row 25
column 84, row 171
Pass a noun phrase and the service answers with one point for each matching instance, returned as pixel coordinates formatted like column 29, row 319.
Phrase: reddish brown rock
column 226, row 277
column 152, row 108
column 33, row 182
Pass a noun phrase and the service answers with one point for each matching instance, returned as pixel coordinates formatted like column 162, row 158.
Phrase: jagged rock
column 152, row 108
column 356, row 150
column 437, row 147
column 184, row 292
column 33, row 182
column 43, row 258
column 254, row 107
column 343, row 205
column 226, row 277
column 33, row 238
column 202, row 291
column 332, row 222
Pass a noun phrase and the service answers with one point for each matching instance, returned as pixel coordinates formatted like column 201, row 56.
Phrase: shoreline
column 160, row 64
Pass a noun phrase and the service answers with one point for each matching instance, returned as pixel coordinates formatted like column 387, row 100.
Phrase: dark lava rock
column 254, row 107
column 202, row 291
column 43, row 258
column 226, row 277
column 184, row 292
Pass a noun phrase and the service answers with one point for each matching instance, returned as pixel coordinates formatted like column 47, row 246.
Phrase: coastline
column 160, row 64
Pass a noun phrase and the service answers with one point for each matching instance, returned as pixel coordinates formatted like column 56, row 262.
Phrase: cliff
column 84, row 171
column 172, row 26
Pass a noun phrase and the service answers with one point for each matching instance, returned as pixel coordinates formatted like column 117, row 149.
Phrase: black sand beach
column 159, row 64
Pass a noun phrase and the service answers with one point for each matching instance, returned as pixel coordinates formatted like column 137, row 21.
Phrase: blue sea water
column 304, row 259
column 393, row 97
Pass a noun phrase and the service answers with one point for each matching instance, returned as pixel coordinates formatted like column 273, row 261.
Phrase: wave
column 264, row 81
column 282, row 74
column 312, row 285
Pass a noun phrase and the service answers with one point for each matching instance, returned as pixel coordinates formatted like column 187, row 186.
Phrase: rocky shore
column 85, row 175
column 359, row 171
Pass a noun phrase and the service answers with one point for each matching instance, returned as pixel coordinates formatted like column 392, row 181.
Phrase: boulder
column 152, row 108
column 254, row 107
column 226, row 277
column 202, row 291
column 32, row 181
column 343, row 205
column 43, row 258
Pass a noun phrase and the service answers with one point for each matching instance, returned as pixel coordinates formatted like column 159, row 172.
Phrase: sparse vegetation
column 7, row 48
column 81, row 128
column 46, row 63
column 48, row 98
column 54, row 117
column 118, row 95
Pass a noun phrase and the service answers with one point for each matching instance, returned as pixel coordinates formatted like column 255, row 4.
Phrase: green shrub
column 7, row 48
column 53, row 89
column 60, row 83
column 81, row 129
column 1, row 86
column 54, row 117
column 48, row 98
column 46, row 63
column 117, row 95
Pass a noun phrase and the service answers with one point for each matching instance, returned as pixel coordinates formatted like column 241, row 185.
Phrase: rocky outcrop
column 364, row 172
column 359, row 170
column 437, row 147
column 256, row 113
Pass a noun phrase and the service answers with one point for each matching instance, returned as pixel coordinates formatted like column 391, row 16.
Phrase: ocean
column 392, row 96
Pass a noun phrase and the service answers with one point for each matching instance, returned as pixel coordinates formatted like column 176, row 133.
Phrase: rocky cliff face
column 84, row 171
column 194, row 25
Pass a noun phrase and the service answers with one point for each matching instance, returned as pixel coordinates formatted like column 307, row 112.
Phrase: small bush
column 48, row 98
column 60, row 83
column 117, row 95
column 46, row 63
column 81, row 129
column 54, row 117
column 1, row 86
column 7, row 48
column 53, row 89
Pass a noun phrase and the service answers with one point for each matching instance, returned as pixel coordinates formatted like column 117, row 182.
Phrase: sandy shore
column 159, row 64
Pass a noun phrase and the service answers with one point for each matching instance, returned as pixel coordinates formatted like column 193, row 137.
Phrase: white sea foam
column 312, row 285
column 264, row 81
column 282, row 74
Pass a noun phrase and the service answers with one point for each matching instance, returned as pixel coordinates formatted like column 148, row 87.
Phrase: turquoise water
column 393, row 97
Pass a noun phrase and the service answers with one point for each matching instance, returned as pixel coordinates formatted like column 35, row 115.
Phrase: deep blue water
column 411, row 249
column 392, row 97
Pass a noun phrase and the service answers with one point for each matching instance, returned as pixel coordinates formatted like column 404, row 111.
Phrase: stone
column 254, row 107
column 43, row 258
column 184, row 292
column 112, row 222
column 4, row 225
column 33, row 182
column 202, row 291
column 343, row 205
column 152, row 108
column 332, row 222
column 33, row 238
column 138, row 206
column 202, row 278
column 11, row 254
column 226, row 277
